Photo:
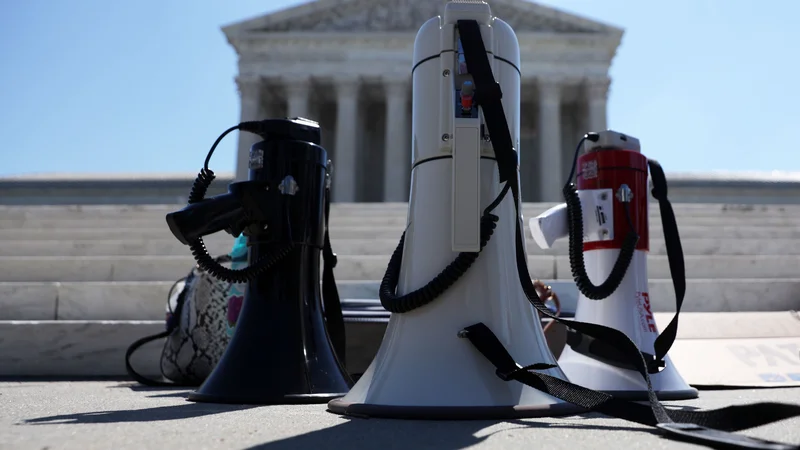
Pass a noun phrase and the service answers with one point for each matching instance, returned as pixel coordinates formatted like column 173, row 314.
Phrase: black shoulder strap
column 677, row 269
column 172, row 323
column 330, row 293
column 710, row 427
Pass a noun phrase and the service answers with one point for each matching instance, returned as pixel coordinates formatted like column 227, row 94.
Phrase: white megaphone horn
column 613, row 286
column 422, row 369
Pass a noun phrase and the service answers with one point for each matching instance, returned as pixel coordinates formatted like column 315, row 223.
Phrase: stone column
column 596, row 102
column 344, row 161
column 250, row 95
column 395, row 162
column 551, row 174
column 297, row 96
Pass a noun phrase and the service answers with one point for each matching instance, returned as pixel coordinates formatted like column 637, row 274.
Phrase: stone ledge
column 147, row 300
column 129, row 189
column 125, row 210
column 711, row 266
column 374, row 219
column 97, row 348
column 382, row 232
column 76, row 348
column 219, row 244
column 365, row 267
column 166, row 268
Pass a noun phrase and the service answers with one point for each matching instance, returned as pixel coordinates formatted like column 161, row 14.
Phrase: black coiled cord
column 446, row 278
column 198, row 248
column 576, row 262
column 575, row 224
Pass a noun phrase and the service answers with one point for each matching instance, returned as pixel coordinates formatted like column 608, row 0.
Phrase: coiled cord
column 446, row 278
column 198, row 248
column 575, row 224
column 576, row 261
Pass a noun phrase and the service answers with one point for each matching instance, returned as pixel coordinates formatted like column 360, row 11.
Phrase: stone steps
column 374, row 214
column 392, row 219
column 158, row 211
column 119, row 300
column 222, row 243
column 79, row 284
column 365, row 267
column 61, row 348
column 381, row 232
column 733, row 255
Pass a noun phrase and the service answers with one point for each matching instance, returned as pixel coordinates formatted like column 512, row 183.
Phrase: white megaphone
column 422, row 369
column 612, row 198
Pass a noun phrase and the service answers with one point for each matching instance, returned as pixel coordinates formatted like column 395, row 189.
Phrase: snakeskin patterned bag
column 197, row 329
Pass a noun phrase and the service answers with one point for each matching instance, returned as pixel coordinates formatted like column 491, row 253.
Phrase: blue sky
column 146, row 86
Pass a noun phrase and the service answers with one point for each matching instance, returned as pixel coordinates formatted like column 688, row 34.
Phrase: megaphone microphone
column 606, row 220
column 460, row 225
column 282, row 350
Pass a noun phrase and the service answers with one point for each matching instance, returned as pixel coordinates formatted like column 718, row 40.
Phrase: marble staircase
column 79, row 283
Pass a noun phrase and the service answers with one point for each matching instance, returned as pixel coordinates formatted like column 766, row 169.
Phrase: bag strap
column 172, row 323
column 330, row 293
column 711, row 427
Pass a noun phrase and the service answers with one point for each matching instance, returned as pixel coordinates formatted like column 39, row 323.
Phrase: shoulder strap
column 710, row 427
column 677, row 268
column 330, row 293
column 172, row 323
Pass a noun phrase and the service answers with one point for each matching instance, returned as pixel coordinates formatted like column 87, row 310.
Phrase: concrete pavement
column 118, row 415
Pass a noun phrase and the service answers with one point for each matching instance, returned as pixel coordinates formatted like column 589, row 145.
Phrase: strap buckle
column 506, row 376
column 654, row 365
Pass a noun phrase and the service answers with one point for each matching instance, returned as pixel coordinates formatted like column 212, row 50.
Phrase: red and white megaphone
column 609, row 264
column 461, row 226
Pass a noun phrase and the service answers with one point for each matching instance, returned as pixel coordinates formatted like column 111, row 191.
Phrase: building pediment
column 407, row 16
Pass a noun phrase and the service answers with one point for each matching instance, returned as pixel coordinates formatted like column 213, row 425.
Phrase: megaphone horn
column 460, row 225
column 607, row 223
column 284, row 349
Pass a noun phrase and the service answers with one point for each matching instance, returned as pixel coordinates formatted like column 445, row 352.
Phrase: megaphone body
column 422, row 369
column 612, row 182
column 281, row 351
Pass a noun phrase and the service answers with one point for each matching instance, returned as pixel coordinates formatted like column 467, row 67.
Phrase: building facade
column 351, row 59
column 347, row 65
